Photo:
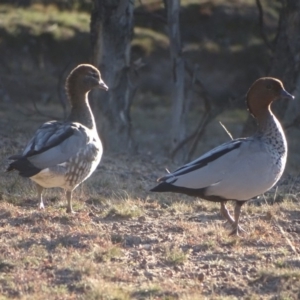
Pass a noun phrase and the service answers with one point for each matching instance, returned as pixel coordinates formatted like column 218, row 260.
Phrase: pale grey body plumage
column 68, row 163
column 237, row 175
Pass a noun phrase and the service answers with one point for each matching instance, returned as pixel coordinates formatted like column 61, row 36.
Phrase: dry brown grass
column 125, row 243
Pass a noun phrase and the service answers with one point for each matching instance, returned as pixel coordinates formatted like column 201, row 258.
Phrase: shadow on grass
column 205, row 217
column 77, row 241
column 154, row 293
column 67, row 276
column 29, row 203
column 232, row 291
column 38, row 219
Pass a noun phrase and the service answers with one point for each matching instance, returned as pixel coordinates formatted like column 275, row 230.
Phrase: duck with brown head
column 240, row 169
column 64, row 154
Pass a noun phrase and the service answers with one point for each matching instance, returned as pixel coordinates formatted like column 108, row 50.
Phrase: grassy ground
column 125, row 242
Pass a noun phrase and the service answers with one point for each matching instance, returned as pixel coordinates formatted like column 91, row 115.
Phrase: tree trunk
column 111, row 35
column 285, row 64
column 178, row 97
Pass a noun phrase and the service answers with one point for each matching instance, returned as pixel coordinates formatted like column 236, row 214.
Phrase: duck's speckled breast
column 276, row 145
column 79, row 167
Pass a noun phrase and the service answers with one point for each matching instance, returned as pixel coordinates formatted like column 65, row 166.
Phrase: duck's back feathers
column 226, row 172
column 205, row 159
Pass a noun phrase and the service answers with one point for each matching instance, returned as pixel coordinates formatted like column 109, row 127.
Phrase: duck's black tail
column 23, row 166
column 163, row 187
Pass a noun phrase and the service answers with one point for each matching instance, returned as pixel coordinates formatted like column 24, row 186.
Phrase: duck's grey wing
column 52, row 144
column 207, row 170
column 204, row 160
column 237, row 170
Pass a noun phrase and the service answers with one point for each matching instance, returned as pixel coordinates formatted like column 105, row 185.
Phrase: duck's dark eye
column 269, row 86
column 94, row 74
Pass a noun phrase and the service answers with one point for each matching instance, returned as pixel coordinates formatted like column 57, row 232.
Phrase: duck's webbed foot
column 236, row 228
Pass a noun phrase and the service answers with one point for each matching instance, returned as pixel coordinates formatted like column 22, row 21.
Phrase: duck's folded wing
column 54, row 143
column 208, row 169
column 210, row 156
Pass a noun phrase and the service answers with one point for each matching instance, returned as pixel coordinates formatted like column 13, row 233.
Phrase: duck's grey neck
column 81, row 111
column 268, row 125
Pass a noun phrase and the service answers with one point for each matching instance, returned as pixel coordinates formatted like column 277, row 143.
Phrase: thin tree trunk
column 178, row 103
column 111, row 35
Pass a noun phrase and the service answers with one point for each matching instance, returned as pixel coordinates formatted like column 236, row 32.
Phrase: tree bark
column 285, row 64
column 178, row 69
column 111, row 35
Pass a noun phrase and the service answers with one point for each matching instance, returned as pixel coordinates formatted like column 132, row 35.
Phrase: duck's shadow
column 77, row 241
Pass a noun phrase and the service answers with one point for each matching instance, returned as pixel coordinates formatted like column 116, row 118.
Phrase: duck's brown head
column 263, row 92
column 84, row 78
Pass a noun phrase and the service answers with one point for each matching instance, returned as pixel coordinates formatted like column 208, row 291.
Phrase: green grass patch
column 38, row 19
column 175, row 256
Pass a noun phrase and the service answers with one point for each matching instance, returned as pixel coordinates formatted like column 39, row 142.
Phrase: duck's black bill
column 102, row 85
column 286, row 95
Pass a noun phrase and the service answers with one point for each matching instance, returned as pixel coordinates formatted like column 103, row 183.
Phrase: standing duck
column 242, row 168
column 64, row 154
